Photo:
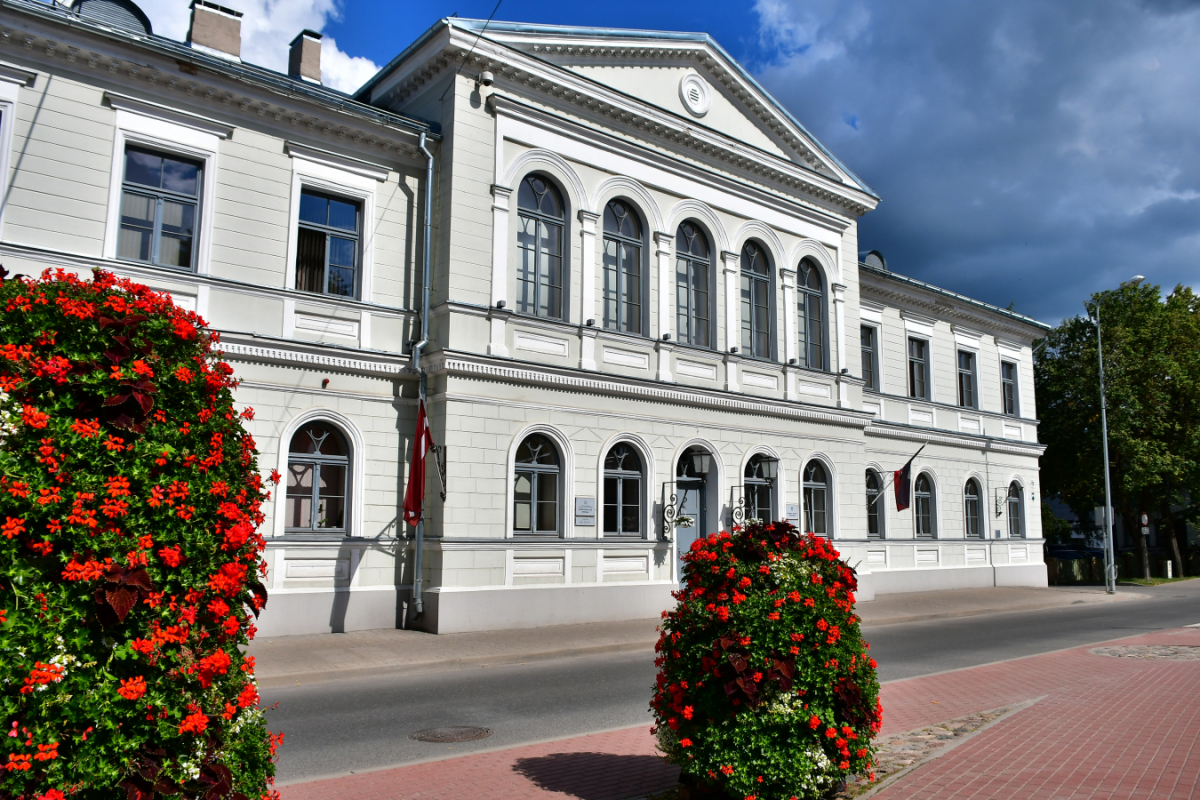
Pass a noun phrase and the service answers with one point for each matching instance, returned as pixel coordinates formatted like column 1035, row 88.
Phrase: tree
column 1152, row 376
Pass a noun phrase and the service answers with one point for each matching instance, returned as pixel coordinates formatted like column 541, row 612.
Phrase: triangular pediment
column 684, row 74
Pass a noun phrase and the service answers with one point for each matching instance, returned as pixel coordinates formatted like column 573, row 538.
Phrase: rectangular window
column 966, row 379
column 622, row 286
column 160, row 208
column 327, row 248
column 756, row 317
column 918, row 369
column 869, row 364
column 1008, row 383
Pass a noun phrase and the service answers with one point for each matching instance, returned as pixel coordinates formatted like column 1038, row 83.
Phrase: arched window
column 923, row 507
column 622, row 492
column 756, row 302
column 816, row 499
column 972, row 523
column 622, row 268
column 540, row 249
column 318, row 463
column 1016, row 511
column 811, row 307
column 875, row 502
column 692, row 273
column 761, row 472
column 535, row 486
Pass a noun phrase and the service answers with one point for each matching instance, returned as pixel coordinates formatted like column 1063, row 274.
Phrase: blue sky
column 1026, row 152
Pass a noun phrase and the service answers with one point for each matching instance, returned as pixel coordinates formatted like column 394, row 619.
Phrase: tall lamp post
column 1110, row 555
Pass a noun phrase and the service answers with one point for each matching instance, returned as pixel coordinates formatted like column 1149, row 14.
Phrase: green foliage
column 765, row 688
column 1152, row 376
column 1055, row 530
column 129, row 496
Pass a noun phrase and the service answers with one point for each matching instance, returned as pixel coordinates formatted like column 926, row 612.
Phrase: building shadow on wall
column 598, row 776
column 341, row 595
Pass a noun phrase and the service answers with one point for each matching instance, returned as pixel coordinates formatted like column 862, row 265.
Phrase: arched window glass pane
column 816, row 500
column 622, row 269
column 756, row 302
column 972, row 524
column 537, row 449
column 923, row 507
column 810, row 309
column 318, row 469
column 757, row 488
column 692, row 274
column 1016, row 511
column 622, row 492
column 539, row 249
column 536, row 487
column 874, row 510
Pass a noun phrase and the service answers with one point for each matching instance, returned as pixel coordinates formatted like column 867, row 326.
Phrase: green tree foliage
column 1152, row 376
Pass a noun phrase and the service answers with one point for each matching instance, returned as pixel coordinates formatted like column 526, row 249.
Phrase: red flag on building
column 903, row 481
column 414, row 496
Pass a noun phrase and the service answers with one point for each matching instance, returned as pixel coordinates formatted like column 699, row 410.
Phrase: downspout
column 416, row 359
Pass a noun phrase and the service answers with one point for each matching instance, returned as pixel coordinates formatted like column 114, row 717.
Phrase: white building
column 647, row 304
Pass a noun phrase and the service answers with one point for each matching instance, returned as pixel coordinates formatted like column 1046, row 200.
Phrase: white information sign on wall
column 585, row 511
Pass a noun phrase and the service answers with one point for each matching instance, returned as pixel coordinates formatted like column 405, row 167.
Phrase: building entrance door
column 691, row 483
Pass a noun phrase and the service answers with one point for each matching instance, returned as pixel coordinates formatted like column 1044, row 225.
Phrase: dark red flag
column 903, row 480
column 414, row 496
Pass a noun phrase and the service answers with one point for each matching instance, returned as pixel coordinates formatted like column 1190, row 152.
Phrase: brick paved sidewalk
column 1105, row 727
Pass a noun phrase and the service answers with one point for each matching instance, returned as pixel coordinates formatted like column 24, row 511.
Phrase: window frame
column 642, row 270
column 158, row 196
column 967, row 379
column 12, row 79
column 316, row 461
column 924, row 366
column 328, row 231
column 978, row 501
column 759, row 483
column 621, row 476
column 562, row 470
column 930, row 500
column 328, row 173
column 871, row 384
column 808, row 494
column 564, row 245
column 710, row 286
column 1016, row 521
column 754, row 279
column 1005, row 383
column 804, row 326
column 880, row 510
column 176, row 133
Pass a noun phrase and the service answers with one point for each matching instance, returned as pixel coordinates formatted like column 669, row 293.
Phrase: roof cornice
column 902, row 291
column 45, row 35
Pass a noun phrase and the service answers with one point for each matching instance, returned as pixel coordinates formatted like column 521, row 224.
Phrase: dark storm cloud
column 1026, row 152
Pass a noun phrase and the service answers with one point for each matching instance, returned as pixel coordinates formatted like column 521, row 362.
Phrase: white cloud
column 268, row 26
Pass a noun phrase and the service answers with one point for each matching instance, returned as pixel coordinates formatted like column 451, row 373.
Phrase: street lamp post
column 1110, row 555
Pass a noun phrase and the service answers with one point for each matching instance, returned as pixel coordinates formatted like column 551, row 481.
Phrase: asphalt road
column 338, row 727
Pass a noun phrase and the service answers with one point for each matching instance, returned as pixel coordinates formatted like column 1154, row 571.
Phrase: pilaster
column 666, row 321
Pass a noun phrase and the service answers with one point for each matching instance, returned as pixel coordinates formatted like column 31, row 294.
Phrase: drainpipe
column 416, row 358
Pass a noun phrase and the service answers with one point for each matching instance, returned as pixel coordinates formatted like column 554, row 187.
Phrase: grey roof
column 929, row 287
column 241, row 71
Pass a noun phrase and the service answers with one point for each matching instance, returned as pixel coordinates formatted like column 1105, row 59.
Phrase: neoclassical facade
column 648, row 318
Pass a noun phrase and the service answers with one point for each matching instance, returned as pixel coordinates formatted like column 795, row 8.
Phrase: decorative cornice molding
column 11, row 73
column 947, row 310
column 462, row 364
column 123, row 102
column 238, row 351
column 152, row 71
column 933, row 436
column 354, row 165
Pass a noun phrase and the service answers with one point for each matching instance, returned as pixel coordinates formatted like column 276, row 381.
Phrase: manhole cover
column 457, row 733
column 1175, row 652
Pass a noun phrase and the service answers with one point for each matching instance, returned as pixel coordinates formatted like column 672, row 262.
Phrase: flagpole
column 418, row 347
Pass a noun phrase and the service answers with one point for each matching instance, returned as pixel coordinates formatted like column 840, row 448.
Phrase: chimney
column 304, row 58
column 216, row 29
